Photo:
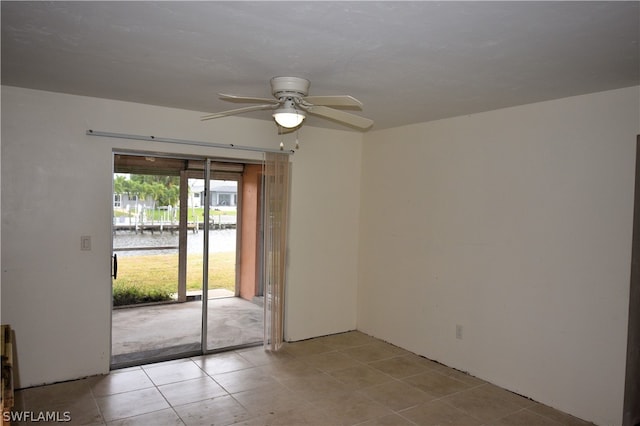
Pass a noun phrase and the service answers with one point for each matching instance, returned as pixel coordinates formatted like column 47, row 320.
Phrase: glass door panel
column 195, row 235
column 152, row 318
column 234, row 315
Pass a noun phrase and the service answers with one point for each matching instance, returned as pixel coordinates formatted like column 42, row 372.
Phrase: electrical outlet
column 458, row 331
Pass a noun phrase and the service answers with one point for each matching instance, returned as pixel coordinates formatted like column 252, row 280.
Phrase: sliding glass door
column 186, row 255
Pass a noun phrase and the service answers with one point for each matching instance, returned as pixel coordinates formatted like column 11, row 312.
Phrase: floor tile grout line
column 251, row 415
column 532, row 412
column 389, row 408
column 95, row 401
column 444, row 400
column 167, row 400
column 136, row 415
column 155, row 386
column 125, row 391
column 441, row 399
column 228, row 393
column 406, row 418
column 550, row 418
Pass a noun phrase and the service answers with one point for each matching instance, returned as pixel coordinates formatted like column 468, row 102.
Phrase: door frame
column 631, row 411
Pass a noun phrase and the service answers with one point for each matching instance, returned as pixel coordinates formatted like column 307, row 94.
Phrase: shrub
column 128, row 294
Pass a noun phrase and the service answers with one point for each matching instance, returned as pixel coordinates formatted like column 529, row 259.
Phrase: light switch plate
column 85, row 242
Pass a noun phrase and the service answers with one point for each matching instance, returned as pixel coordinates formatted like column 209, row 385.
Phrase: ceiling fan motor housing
column 289, row 86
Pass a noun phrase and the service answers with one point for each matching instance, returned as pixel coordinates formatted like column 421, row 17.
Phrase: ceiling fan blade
column 341, row 116
column 237, row 111
column 236, row 98
column 337, row 100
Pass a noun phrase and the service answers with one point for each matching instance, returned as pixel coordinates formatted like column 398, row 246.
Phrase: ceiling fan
column 291, row 105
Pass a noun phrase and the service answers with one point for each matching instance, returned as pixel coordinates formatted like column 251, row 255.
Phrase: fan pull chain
column 297, row 143
column 281, row 139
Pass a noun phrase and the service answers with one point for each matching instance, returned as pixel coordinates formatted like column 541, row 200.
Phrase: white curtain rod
column 185, row 142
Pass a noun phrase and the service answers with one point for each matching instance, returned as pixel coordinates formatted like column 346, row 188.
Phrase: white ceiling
column 407, row 62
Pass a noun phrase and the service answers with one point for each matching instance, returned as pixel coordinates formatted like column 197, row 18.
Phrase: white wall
column 56, row 186
column 323, row 256
column 515, row 224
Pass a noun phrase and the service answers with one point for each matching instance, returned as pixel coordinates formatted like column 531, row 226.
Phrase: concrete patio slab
column 150, row 333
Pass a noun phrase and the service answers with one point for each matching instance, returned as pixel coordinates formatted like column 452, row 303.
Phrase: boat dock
column 141, row 228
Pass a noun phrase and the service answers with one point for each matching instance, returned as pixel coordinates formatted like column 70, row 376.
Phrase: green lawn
column 160, row 272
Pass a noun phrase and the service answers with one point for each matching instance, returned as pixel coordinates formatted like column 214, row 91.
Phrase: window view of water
column 223, row 240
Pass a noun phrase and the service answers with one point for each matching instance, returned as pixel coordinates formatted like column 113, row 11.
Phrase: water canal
column 223, row 240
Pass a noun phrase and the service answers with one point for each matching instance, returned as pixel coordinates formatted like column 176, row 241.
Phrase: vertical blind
column 276, row 202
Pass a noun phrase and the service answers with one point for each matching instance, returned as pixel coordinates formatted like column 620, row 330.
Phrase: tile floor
column 343, row 379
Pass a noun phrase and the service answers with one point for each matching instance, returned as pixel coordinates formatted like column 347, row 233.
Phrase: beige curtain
column 276, row 208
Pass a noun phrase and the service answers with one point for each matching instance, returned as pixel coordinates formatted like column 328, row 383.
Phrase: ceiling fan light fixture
column 291, row 105
column 288, row 117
